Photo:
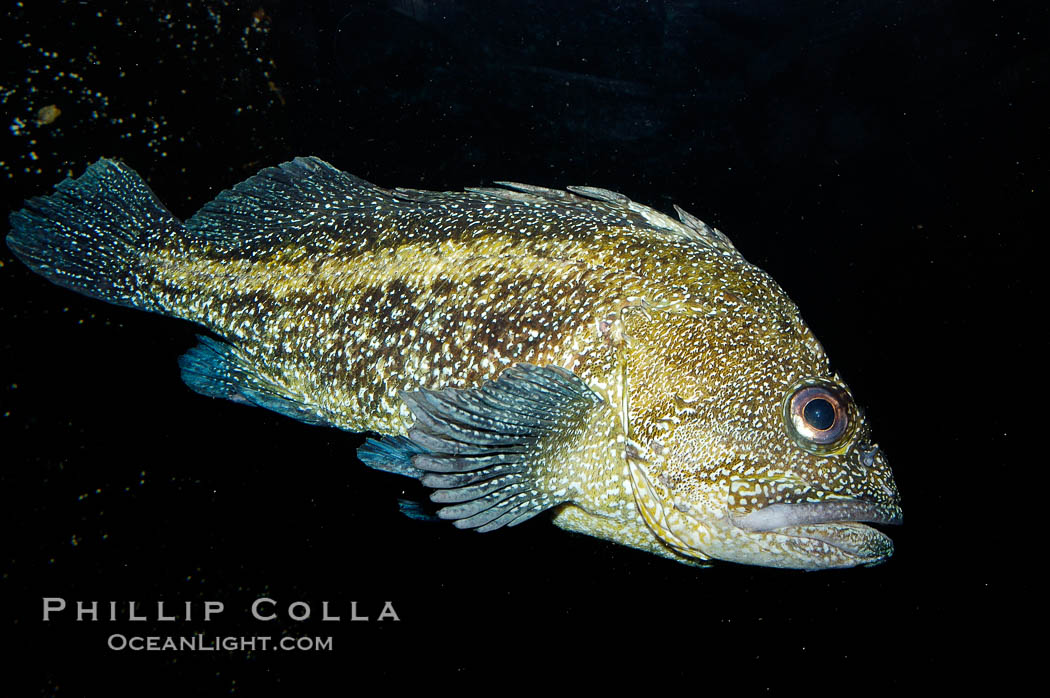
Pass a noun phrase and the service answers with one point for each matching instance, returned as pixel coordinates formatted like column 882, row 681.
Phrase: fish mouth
column 811, row 526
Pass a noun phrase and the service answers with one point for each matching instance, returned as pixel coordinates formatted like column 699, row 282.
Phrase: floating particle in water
column 47, row 115
column 272, row 86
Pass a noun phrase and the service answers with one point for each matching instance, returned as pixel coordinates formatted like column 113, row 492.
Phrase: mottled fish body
column 521, row 349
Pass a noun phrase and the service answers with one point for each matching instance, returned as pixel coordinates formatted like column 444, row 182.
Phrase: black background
column 885, row 162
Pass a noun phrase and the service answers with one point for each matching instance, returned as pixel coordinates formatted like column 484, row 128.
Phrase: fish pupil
column 820, row 414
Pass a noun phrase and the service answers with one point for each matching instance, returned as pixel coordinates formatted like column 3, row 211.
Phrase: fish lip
column 782, row 515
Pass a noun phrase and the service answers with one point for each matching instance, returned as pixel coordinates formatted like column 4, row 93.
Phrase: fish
column 518, row 350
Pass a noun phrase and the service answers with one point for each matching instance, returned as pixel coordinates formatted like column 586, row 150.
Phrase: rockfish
column 517, row 349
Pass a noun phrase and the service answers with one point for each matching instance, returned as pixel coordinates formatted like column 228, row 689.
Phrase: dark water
column 885, row 162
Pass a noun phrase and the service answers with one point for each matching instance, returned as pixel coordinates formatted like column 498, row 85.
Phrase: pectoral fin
column 501, row 453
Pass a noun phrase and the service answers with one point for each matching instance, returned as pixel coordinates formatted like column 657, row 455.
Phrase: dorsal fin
column 277, row 203
column 613, row 207
column 318, row 206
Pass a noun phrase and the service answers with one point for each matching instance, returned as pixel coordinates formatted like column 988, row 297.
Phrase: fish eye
column 817, row 416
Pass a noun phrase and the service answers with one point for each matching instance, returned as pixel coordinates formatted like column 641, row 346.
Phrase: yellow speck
column 47, row 115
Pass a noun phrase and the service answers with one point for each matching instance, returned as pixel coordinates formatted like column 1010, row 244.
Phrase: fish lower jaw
column 803, row 536
column 838, row 545
column 806, row 547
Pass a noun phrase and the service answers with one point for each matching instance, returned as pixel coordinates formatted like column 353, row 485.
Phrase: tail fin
column 89, row 235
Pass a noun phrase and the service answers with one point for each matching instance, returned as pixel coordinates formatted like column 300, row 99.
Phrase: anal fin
column 215, row 369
